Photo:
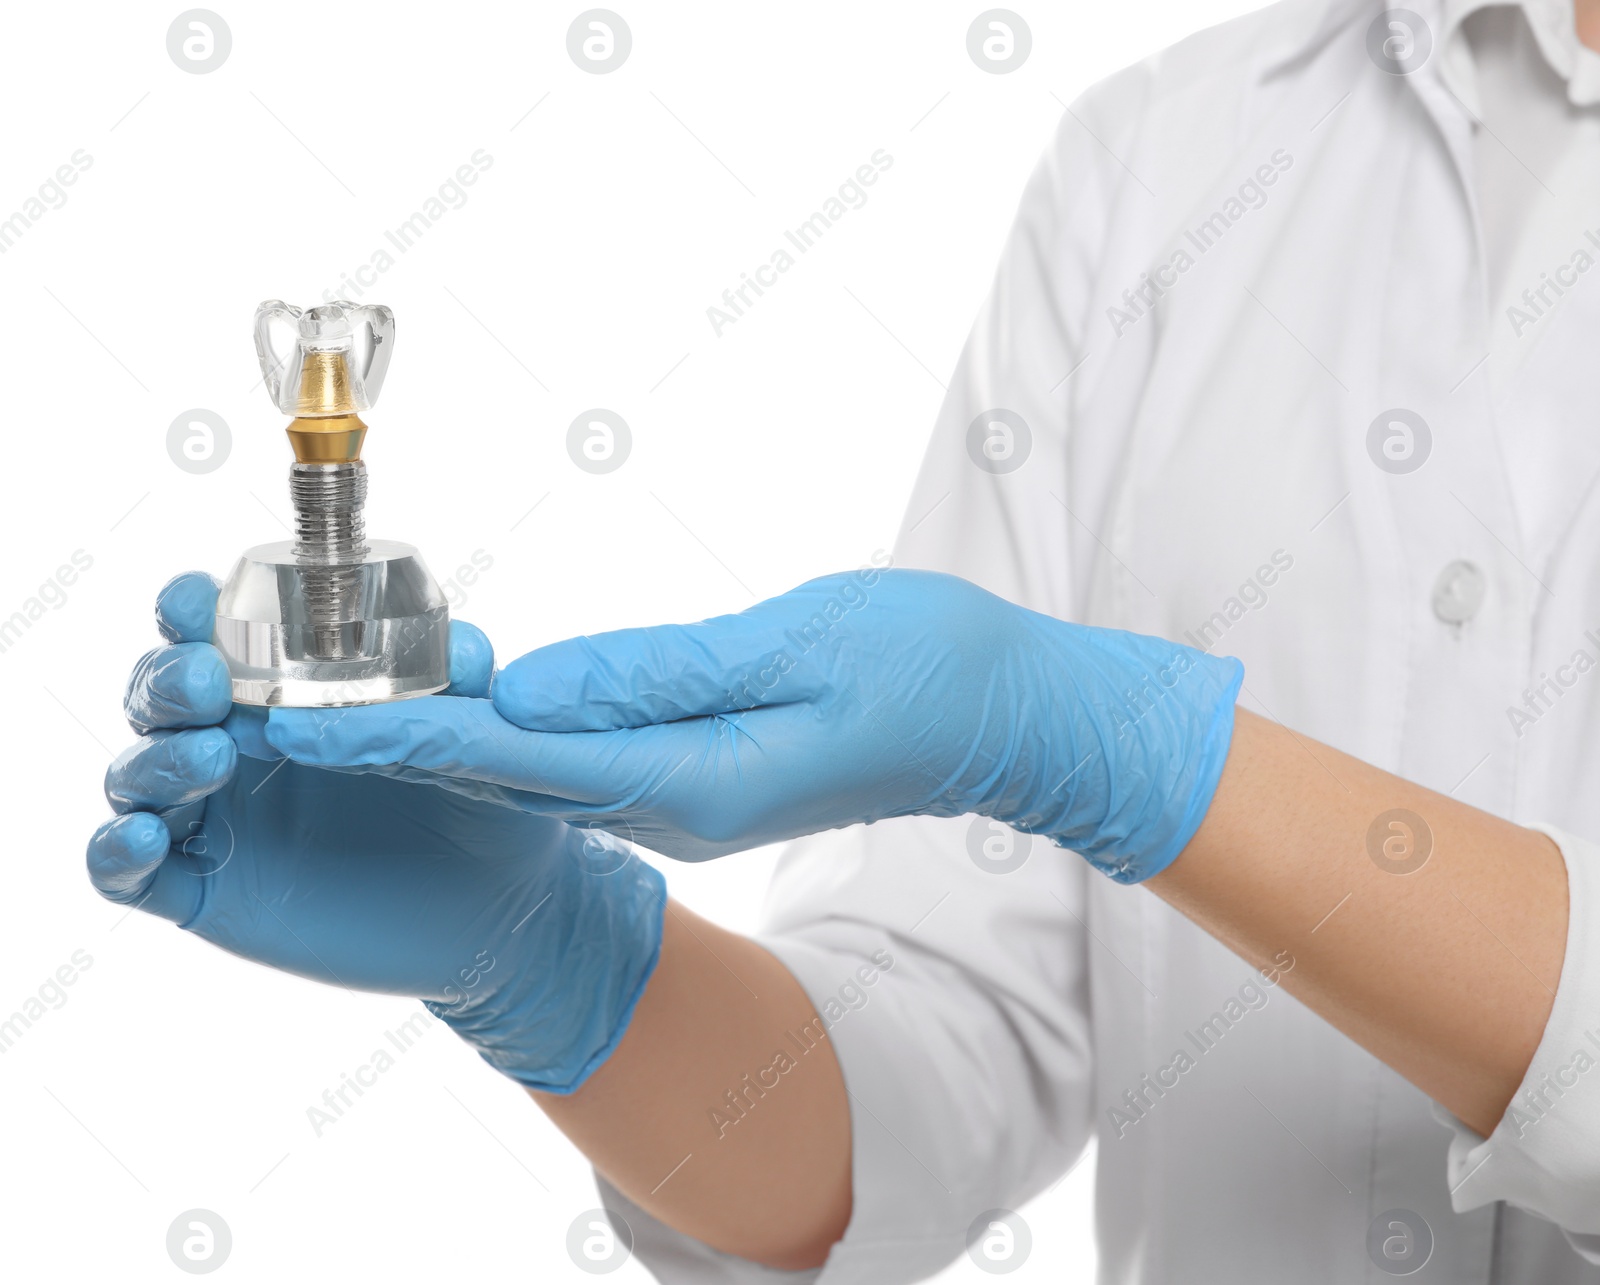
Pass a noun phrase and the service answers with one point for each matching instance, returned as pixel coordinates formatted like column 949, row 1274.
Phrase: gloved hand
column 854, row 697
column 531, row 939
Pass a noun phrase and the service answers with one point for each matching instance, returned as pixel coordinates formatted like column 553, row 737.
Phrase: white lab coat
column 1174, row 454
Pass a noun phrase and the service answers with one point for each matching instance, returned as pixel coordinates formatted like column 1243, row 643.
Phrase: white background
column 576, row 274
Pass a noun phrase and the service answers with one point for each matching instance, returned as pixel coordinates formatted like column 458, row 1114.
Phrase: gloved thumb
column 471, row 660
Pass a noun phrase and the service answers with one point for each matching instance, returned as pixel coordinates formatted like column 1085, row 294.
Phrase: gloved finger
column 247, row 724
column 503, row 796
column 471, row 661
column 635, row 677
column 186, row 685
column 471, row 671
column 186, row 608
column 466, row 739
column 170, row 769
column 128, row 864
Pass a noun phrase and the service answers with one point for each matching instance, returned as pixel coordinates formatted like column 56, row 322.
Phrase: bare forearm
column 774, row 1186
column 1414, row 966
column 1447, row 972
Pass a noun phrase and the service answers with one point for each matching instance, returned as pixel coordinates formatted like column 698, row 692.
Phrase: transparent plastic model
column 330, row 618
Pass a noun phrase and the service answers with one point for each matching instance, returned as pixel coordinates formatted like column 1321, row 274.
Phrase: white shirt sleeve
column 1544, row 1155
column 967, row 1059
column 676, row 1259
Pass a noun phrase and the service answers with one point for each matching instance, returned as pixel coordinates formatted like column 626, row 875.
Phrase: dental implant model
column 330, row 617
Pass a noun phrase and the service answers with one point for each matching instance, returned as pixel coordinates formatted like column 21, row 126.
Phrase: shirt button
column 1458, row 592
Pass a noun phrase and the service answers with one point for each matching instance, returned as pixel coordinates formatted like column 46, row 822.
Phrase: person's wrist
column 1123, row 744
column 575, row 967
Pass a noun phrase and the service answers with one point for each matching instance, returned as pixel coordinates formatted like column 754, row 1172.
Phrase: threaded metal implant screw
column 330, row 541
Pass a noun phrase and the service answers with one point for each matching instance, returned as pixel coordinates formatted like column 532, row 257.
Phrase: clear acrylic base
column 390, row 638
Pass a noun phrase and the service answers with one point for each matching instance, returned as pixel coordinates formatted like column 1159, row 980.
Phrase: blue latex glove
column 533, row 940
column 852, row 698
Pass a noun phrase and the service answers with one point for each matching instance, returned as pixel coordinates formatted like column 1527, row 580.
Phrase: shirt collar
column 1554, row 31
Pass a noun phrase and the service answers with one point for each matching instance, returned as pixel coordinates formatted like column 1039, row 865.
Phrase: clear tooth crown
column 323, row 361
